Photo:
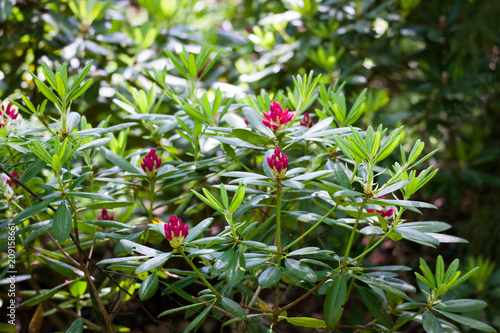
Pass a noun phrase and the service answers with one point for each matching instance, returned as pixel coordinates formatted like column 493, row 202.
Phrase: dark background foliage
column 430, row 65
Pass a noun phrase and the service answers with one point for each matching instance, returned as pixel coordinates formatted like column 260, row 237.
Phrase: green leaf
column 238, row 198
column 463, row 278
column 133, row 246
column 450, row 272
column 32, row 170
column 77, row 93
column 270, row 276
column 78, row 288
column 417, row 237
column 254, row 118
column 62, row 223
column 251, row 137
column 306, row 322
column 153, row 263
column 232, row 307
column 110, row 224
column 300, row 270
column 236, row 269
column 46, row 91
column 222, row 263
column 461, row 305
column 148, row 287
column 194, row 232
column 223, row 195
column 76, row 327
column 430, row 323
column 90, row 195
column 44, row 295
column 469, row 322
column 34, row 209
column 427, row 272
column 108, row 205
column 118, row 161
column 198, row 320
column 375, row 304
column 439, row 270
column 164, row 313
column 335, row 300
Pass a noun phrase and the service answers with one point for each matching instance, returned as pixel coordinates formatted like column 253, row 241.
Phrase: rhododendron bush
column 239, row 209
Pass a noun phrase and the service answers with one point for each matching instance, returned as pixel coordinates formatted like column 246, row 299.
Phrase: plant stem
column 199, row 274
column 311, row 229
column 351, row 238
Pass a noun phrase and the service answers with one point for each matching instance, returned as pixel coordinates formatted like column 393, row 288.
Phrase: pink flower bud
column 306, row 121
column 105, row 216
column 175, row 231
column 278, row 163
column 276, row 118
column 385, row 212
column 10, row 182
column 8, row 115
column 151, row 163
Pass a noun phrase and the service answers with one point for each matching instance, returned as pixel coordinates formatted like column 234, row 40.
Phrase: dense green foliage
column 153, row 81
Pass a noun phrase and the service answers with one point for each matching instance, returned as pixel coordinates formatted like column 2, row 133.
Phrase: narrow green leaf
column 306, row 322
column 44, row 295
column 62, row 223
column 198, row 320
column 439, row 270
column 118, row 161
column 430, row 323
column 149, row 287
column 34, row 209
column 270, row 276
column 375, row 304
column 232, row 307
column 223, row 195
column 194, row 232
column 153, row 263
column 461, row 305
column 76, row 327
column 335, row 300
column 300, row 270
column 469, row 322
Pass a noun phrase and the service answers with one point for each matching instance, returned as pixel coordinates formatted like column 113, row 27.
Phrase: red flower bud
column 276, row 117
column 105, row 216
column 10, row 182
column 175, row 231
column 278, row 163
column 151, row 163
column 7, row 115
column 306, row 121
column 384, row 212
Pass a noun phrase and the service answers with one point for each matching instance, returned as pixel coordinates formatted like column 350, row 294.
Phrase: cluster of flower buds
column 276, row 117
column 306, row 121
column 151, row 163
column 10, row 182
column 278, row 163
column 384, row 212
column 105, row 216
column 8, row 115
column 175, row 231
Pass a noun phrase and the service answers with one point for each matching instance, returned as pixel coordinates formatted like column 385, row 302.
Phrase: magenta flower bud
column 276, row 118
column 10, row 182
column 384, row 212
column 175, row 231
column 278, row 163
column 105, row 216
column 151, row 163
column 306, row 121
column 8, row 115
